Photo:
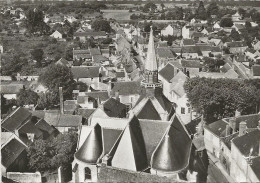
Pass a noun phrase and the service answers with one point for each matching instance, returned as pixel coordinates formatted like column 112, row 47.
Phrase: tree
column 201, row 12
column 219, row 98
column 48, row 155
column 27, row 97
column 34, row 21
column 37, row 54
column 234, row 35
column 179, row 13
column 213, row 9
column 149, row 7
column 101, row 25
column 242, row 12
column 248, row 25
column 56, row 76
column 226, row 22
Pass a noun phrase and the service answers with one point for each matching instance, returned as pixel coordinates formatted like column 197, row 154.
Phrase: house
column 191, row 67
column 236, row 46
column 63, row 122
column 216, row 51
column 79, row 54
column 83, row 36
column 14, row 157
column 236, row 17
column 10, row 91
column 56, row 34
column 238, row 27
column 187, row 42
column 127, row 92
column 86, row 74
column 216, row 26
column 191, row 52
column 165, row 76
column 171, row 30
column 205, row 49
column 63, row 62
column 187, row 31
column 227, row 141
column 164, row 55
column 91, row 99
column 216, row 42
column 111, row 108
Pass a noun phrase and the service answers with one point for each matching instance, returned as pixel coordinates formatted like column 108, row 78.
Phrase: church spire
column 150, row 69
column 151, row 63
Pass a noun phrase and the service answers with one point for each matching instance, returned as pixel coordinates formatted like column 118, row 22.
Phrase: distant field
column 117, row 14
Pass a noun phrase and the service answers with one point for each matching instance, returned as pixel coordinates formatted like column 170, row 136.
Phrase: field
column 117, row 14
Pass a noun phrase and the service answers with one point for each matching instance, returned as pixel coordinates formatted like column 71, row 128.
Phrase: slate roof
column 165, row 53
column 110, row 137
column 11, row 88
column 217, row 127
column 114, row 108
column 256, row 70
column 11, row 151
column 236, row 44
column 173, row 152
column 99, row 58
column 102, row 95
column 92, row 148
column 191, row 63
column 126, row 88
column 95, row 51
column 62, row 120
column 14, row 120
column 31, row 128
column 188, row 42
column 248, row 141
column 44, row 126
column 256, row 166
column 85, row 112
column 149, row 112
column 167, row 72
column 120, row 74
column 85, row 71
column 226, row 68
column 191, row 49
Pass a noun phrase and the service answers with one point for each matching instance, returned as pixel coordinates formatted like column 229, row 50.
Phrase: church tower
column 151, row 68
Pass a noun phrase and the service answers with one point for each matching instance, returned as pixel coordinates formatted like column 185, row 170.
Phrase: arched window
column 87, row 173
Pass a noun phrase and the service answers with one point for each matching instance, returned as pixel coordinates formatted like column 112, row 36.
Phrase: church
column 151, row 139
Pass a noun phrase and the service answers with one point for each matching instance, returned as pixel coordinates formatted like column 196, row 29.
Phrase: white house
column 56, row 35
column 167, row 31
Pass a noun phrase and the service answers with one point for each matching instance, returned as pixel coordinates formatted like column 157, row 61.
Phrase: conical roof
column 150, row 63
column 92, row 148
column 130, row 153
column 173, row 152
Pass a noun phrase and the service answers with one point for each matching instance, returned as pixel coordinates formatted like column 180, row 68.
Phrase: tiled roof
column 215, row 49
column 120, row 74
column 44, row 126
column 126, row 88
column 191, row 64
column 95, row 51
column 85, row 113
column 191, row 49
column 62, row 120
column 85, row 71
column 99, row 58
column 102, row 95
column 11, row 151
column 31, row 128
column 217, row 127
column 226, row 68
column 15, row 119
column 167, row 72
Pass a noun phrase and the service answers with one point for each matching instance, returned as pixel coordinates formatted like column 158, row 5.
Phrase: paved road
column 214, row 174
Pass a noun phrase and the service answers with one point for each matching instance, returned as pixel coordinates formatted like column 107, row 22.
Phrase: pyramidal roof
column 150, row 63
column 173, row 152
column 149, row 112
column 130, row 153
column 92, row 148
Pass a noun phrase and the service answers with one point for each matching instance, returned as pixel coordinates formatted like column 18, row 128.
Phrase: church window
column 87, row 173
column 182, row 110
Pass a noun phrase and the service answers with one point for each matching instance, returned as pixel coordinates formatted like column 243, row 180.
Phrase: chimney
column 242, row 128
column 61, row 101
column 227, row 130
column 237, row 113
column 117, row 96
column 232, row 124
column 98, row 102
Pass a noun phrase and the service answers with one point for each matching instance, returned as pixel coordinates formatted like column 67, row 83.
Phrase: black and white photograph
column 124, row 91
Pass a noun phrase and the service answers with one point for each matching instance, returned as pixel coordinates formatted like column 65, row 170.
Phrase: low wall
column 111, row 174
column 25, row 177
